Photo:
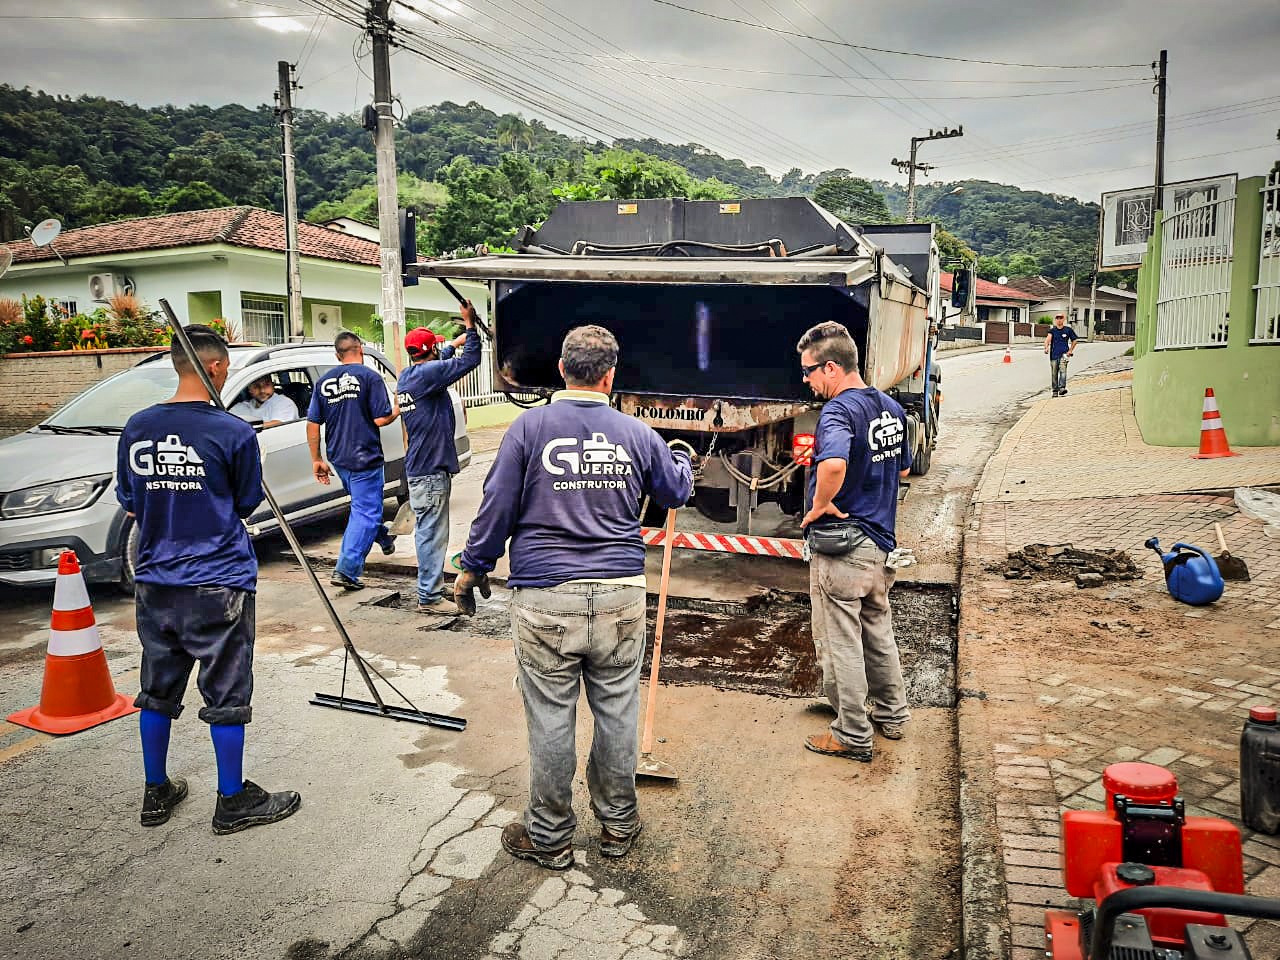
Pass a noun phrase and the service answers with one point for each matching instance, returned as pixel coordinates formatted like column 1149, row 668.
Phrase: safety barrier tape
column 726, row 543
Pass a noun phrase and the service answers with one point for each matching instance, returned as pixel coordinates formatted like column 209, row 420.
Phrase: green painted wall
column 203, row 307
column 1169, row 385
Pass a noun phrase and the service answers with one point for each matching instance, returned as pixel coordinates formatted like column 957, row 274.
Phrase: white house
column 1115, row 309
column 228, row 263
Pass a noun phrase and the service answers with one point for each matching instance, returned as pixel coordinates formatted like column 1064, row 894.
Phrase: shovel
column 1231, row 568
column 649, row 767
column 404, row 522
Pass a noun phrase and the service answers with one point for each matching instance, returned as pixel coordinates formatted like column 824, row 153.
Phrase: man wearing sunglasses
column 860, row 454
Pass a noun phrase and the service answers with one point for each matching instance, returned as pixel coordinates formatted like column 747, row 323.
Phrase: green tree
column 851, row 198
column 992, row 268
column 1023, row 265
column 196, row 195
column 952, row 247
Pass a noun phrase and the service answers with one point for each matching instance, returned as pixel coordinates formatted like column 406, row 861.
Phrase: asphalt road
column 762, row 849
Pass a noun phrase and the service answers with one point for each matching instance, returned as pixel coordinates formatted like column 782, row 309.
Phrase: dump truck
column 707, row 300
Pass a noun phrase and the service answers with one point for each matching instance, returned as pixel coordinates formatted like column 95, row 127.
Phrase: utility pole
column 1162, row 77
column 379, row 18
column 1071, row 300
column 909, row 167
column 1093, row 300
column 293, row 270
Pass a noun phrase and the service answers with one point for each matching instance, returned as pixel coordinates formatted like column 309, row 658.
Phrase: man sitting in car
column 265, row 406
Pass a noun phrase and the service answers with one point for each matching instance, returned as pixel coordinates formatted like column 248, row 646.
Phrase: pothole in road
column 766, row 646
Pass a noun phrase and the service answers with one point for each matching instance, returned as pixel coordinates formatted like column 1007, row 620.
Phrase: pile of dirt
column 1062, row 561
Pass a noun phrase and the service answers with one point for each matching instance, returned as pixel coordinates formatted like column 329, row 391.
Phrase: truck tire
column 713, row 503
column 922, row 460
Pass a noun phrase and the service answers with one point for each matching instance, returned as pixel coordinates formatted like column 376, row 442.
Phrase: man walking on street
column 860, row 453
column 188, row 474
column 1059, row 344
column 431, row 460
column 351, row 401
column 566, row 489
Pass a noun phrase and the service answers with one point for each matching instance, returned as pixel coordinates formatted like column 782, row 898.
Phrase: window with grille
column 69, row 308
column 263, row 320
column 1266, row 324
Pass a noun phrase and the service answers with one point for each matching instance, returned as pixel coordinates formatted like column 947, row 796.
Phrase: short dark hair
column 588, row 353
column 205, row 341
column 345, row 342
column 830, row 342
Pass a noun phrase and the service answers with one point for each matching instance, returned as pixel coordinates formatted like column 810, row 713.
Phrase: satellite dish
column 1123, row 284
column 6, row 260
column 45, row 232
column 1002, row 280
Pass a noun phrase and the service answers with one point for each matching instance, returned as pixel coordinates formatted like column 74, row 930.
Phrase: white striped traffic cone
column 1213, row 437
column 77, row 693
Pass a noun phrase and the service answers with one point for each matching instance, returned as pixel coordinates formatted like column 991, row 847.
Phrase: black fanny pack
column 836, row 539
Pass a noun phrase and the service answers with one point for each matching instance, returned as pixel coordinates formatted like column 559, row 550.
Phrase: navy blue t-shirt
column 868, row 430
column 423, row 393
column 566, row 489
column 1060, row 341
column 346, row 400
column 189, row 473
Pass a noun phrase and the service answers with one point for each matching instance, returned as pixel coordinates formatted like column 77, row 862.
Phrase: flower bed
column 37, row 325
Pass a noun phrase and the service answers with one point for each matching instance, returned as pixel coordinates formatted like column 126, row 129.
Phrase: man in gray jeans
column 860, row 453
column 566, row 489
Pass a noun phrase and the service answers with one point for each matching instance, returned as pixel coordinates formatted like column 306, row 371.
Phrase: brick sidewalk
column 1060, row 682
column 1088, row 442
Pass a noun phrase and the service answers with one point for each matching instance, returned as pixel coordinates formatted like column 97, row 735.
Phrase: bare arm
column 318, row 466
column 1048, row 339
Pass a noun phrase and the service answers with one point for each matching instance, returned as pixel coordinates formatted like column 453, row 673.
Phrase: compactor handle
column 1172, row 898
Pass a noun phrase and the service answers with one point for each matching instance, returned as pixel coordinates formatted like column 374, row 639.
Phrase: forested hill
column 479, row 175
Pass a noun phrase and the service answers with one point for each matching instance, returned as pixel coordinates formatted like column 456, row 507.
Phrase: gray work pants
column 853, row 637
column 593, row 634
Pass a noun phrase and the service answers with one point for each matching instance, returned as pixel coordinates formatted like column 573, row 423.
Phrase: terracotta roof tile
column 238, row 226
column 988, row 290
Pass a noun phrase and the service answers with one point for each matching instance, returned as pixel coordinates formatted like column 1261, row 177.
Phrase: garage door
column 997, row 333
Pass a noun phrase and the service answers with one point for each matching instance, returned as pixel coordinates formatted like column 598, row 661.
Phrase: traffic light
column 408, row 245
column 961, row 281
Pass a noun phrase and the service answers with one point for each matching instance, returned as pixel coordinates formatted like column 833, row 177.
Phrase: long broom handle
column 646, row 742
column 1222, row 543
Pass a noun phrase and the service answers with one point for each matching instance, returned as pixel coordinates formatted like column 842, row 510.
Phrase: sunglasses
column 808, row 370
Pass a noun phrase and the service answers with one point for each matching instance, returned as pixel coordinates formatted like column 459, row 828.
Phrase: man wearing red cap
column 432, row 459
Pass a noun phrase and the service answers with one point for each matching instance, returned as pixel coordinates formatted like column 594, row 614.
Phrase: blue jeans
column 566, row 638
column 1058, row 373
column 429, row 498
column 364, row 523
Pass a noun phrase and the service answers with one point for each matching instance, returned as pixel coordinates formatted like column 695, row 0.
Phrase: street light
column 939, row 199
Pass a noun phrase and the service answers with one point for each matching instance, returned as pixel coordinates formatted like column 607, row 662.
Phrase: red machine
column 1163, row 882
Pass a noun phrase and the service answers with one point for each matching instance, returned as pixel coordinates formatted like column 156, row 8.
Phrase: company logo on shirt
column 598, row 463
column 884, row 436
column 406, row 401
column 169, row 458
column 345, row 387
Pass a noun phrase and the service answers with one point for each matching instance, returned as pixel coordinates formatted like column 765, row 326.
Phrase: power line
column 889, row 96
column 228, row 16
column 901, row 53
column 1136, row 166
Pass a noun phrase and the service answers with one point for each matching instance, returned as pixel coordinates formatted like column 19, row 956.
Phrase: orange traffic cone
column 77, row 693
column 1213, row 438
column 1008, row 356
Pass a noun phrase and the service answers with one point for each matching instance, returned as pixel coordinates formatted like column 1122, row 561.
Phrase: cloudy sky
column 634, row 68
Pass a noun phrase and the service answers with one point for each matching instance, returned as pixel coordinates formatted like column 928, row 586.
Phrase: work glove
column 464, row 591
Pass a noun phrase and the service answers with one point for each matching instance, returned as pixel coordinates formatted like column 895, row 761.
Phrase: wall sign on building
column 1127, row 217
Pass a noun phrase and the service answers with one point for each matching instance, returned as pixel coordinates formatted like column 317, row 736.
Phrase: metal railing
column 476, row 388
column 1266, row 324
column 1195, row 276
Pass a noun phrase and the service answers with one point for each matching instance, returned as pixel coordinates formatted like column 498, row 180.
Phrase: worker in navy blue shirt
column 352, row 402
column 1059, row 344
column 188, row 474
column 566, row 490
column 860, row 453
column 431, row 460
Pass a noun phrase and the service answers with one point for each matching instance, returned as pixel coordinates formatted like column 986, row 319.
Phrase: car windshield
column 113, row 401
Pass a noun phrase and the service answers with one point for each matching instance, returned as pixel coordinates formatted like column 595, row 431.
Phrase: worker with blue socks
column 188, row 474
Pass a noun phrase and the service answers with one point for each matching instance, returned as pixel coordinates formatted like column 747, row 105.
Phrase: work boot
column 252, row 807
column 614, row 846
column 442, row 606
column 517, row 842
column 345, row 582
column 160, row 799
column 890, row 731
column 826, row 743
column 388, row 546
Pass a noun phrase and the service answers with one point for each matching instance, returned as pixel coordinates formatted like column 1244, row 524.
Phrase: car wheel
column 129, row 557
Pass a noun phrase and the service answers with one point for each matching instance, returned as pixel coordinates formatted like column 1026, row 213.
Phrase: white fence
column 1195, row 275
column 476, row 388
column 1266, row 325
